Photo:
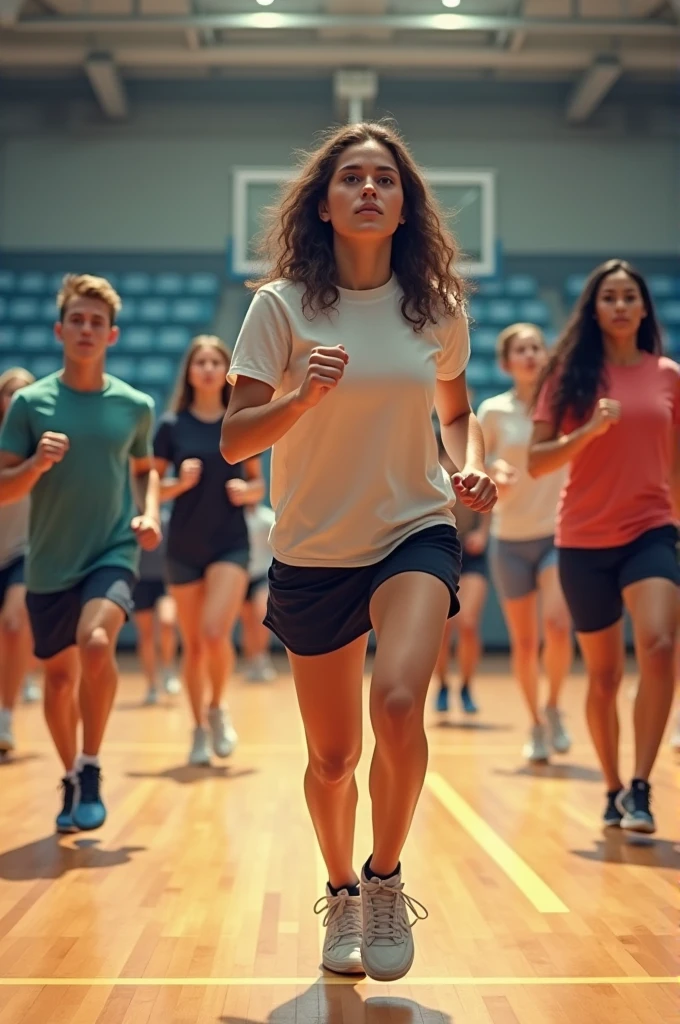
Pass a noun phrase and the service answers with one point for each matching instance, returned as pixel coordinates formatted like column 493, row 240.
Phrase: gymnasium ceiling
column 592, row 43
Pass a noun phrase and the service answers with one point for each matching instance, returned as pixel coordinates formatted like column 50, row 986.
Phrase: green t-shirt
column 81, row 508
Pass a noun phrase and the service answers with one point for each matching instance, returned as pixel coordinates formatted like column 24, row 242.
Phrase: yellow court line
column 517, row 870
column 464, row 982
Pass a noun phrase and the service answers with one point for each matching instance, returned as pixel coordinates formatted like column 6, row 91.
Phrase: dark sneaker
column 442, row 703
column 90, row 811
column 467, row 703
column 65, row 822
column 612, row 815
column 636, row 815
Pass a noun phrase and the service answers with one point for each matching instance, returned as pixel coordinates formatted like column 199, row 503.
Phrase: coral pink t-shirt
column 618, row 487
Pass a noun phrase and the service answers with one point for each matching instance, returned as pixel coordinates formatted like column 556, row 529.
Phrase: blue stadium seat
column 480, row 373
column 128, row 313
column 160, row 400
column 41, row 366
column 8, row 338
column 192, row 311
column 36, row 339
column 7, row 361
column 152, row 310
column 662, row 286
column 169, row 284
column 3, row 308
column 48, row 312
column 203, row 284
column 483, row 339
column 573, row 286
column 138, row 339
column 32, row 283
column 669, row 312
column 490, row 289
column 534, row 311
column 156, row 370
column 501, row 312
column 55, row 282
column 173, row 339
column 672, row 341
column 135, row 284
column 477, row 310
column 122, row 366
column 22, row 310
column 7, row 281
column 521, row 286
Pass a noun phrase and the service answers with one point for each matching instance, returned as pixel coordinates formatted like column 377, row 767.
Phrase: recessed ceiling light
column 267, row 3
column 445, row 3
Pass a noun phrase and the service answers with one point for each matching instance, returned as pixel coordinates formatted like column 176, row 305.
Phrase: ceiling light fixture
column 267, row 3
column 451, row 3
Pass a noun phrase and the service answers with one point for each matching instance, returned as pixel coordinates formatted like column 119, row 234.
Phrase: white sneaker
column 387, row 948
column 536, row 747
column 342, row 944
column 224, row 738
column 200, row 747
column 151, row 697
column 172, row 685
column 6, row 733
column 260, row 669
column 560, row 740
column 31, row 692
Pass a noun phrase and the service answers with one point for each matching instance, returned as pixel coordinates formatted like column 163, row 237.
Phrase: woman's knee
column 557, row 625
column 395, row 711
column 13, row 625
column 604, row 683
column 658, row 645
column 59, row 685
column 333, row 767
column 96, row 647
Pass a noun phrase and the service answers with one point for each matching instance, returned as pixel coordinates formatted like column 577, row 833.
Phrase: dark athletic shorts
column 254, row 586
column 54, row 617
column 180, row 573
column 319, row 610
column 11, row 576
column 593, row 579
column 147, row 594
column 474, row 565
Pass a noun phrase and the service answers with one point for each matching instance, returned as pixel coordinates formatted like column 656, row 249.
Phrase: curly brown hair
column 298, row 245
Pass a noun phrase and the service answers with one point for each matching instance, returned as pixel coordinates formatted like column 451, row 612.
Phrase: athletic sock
column 352, row 890
column 370, row 873
column 85, row 759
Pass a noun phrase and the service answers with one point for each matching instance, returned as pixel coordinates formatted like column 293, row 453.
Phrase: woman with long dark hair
column 15, row 630
column 357, row 331
column 207, row 550
column 609, row 407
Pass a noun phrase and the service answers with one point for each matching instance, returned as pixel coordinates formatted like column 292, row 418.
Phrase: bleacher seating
column 161, row 313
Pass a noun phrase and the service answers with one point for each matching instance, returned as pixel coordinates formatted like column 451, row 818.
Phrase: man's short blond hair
column 88, row 287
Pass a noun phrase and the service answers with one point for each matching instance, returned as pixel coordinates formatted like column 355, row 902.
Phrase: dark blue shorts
column 179, row 573
column 593, row 579
column 474, row 565
column 54, row 617
column 11, row 575
column 319, row 610
column 147, row 594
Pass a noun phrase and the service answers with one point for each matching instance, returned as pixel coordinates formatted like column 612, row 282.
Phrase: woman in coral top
column 609, row 406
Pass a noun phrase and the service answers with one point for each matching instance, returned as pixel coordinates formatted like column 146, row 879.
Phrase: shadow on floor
column 7, row 759
column 469, row 725
column 341, row 1004
column 553, row 770
column 189, row 774
column 49, row 858
column 621, row 847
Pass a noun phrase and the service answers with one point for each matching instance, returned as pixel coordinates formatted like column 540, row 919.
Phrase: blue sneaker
column 65, row 822
column 90, row 811
column 612, row 815
column 467, row 703
column 636, row 815
column 443, row 698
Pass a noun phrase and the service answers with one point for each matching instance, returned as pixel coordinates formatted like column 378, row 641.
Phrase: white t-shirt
column 358, row 473
column 528, row 510
column 259, row 520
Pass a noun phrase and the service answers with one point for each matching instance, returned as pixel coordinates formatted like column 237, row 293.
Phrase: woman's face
column 619, row 306
column 207, row 370
column 365, row 197
column 527, row 356
column 15, row 384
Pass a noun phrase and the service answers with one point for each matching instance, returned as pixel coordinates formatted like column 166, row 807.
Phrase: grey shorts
column 517, row 564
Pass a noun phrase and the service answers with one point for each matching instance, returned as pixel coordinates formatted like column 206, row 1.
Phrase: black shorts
column 474, row 565
column 593, row 579
column 147, row 594
column 254, row 586
column 54, row 617
column 319, row 610
column 11, row 575
column 180, row 572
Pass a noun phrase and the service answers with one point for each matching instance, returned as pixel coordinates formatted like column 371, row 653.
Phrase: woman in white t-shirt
column 355, row 335
column 522, row 549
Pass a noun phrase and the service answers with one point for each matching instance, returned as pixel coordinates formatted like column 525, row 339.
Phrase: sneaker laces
column 342, row 918
column 384, row 920
column 89, row 778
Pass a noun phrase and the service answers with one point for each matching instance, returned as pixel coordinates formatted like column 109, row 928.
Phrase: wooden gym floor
column 193, row 904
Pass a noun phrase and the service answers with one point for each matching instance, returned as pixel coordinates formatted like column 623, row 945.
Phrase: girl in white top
column 522, row 551
column 15, row 631
column 349, row 342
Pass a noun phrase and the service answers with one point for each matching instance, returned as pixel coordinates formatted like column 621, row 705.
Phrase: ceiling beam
column 592, row 88
column 9, row 12
column 107, row 85
column 352, row 23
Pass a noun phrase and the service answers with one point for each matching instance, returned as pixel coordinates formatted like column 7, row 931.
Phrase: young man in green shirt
column 79, row 441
